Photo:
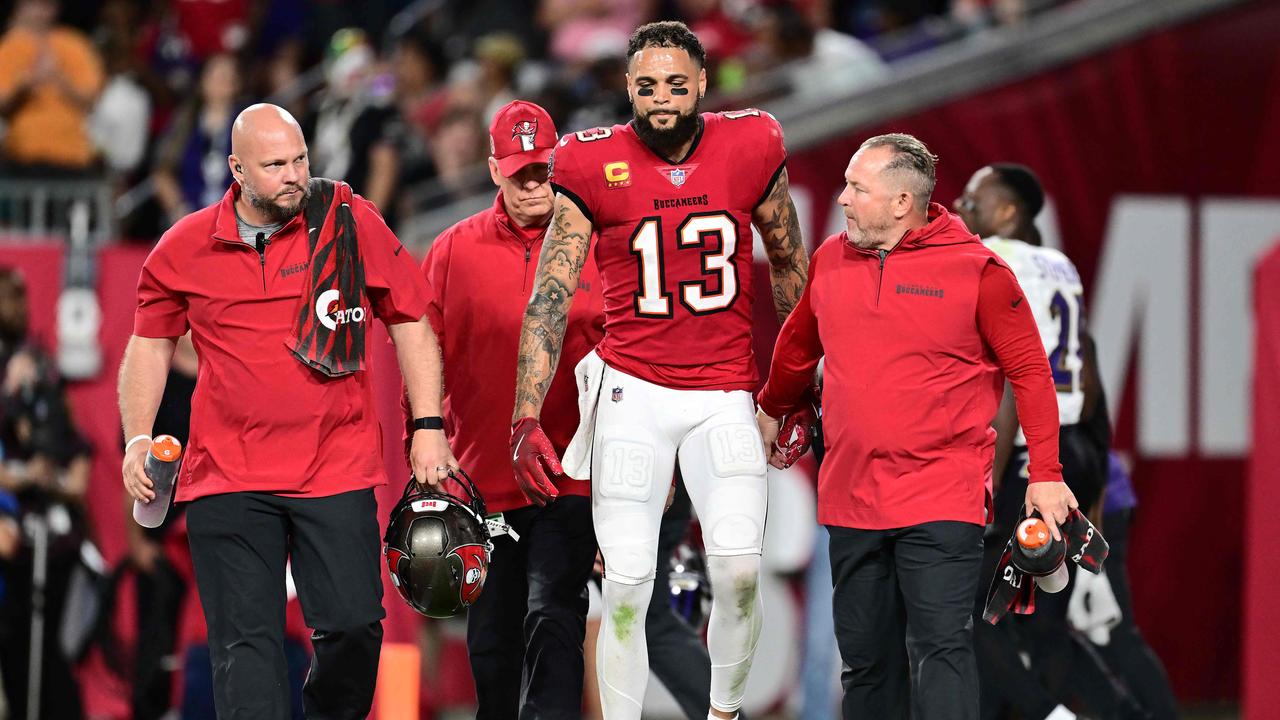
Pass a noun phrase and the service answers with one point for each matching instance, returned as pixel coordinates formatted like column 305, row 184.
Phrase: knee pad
column 735, row 515
column 629, row 565
column 628, row 541
column 733, row 534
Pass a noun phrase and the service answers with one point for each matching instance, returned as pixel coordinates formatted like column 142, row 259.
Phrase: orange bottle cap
column 1033, row 533
column 166, row 448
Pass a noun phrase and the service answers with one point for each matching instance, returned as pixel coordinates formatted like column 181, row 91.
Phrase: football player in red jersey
column 671, row 196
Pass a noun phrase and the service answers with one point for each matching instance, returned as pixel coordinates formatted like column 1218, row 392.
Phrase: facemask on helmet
column 437, row 548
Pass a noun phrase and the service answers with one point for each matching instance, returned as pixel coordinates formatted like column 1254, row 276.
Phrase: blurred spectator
column 459, row 146
column 210, row 27
column 819, row 62
column 349, row 130
column 415, row 66
column 498, row 55
column 46, row 467
column 121, row 120
column 191, row 164
column 49, row 78
column 726, row 35
column 867, row 18
column 598, row 97
column 723, row 35
column 41, row 446
column 280, row 74
column 584, row 30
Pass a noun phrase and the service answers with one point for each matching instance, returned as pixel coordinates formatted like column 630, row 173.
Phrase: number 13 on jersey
column 715, row 234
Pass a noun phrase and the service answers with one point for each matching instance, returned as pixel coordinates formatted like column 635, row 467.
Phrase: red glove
column 794, row 436
column 531, row 456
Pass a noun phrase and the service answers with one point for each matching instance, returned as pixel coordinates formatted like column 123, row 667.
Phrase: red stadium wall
column 1191, row 113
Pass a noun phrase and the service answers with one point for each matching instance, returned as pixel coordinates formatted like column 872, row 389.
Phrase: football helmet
column 437, row 547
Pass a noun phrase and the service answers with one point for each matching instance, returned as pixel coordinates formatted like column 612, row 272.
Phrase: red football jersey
column 674, row 244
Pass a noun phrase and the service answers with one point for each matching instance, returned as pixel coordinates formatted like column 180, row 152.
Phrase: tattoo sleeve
column 779, row 227
column 542, row 333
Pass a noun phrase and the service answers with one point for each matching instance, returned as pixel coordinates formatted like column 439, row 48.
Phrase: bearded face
column 666, row 130
column 280, row 207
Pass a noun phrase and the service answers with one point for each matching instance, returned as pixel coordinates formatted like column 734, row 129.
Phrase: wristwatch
column 434, row 422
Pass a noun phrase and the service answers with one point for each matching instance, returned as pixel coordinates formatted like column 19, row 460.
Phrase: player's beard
column 668, row 141
column 274, row 211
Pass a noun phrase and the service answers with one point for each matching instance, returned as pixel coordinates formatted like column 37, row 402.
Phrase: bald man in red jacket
column 920, row 324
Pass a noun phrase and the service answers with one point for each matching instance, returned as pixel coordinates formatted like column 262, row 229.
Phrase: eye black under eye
column 680, row 91
column 645, row 91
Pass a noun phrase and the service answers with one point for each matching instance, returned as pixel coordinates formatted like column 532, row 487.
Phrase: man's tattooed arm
column 542, row 334
column 776, row 220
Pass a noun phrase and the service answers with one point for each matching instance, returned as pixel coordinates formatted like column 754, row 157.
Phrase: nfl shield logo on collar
column 617, row 395
column 677, row 175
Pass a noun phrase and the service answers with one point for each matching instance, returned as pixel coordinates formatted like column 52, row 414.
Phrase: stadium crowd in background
column 141, row 92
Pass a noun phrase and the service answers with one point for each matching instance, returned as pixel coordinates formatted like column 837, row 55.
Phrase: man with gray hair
column 919, row 323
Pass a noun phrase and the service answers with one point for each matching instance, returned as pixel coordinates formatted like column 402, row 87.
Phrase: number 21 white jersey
column 1053, row 289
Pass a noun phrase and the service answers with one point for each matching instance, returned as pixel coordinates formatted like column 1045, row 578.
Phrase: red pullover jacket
column 479, row 275
column 917, row 340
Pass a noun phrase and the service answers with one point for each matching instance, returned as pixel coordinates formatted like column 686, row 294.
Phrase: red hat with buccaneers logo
column 521, row 133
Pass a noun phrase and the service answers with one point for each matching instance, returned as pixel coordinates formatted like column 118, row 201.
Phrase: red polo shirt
column 480, row 274
column 260, row 419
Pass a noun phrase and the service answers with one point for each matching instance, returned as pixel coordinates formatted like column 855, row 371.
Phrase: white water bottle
column 161, row 467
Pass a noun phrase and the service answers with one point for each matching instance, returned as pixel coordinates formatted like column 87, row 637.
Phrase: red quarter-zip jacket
column 480, row 275
column 918, row 341
column 260, row 419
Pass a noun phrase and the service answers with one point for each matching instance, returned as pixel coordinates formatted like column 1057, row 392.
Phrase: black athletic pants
column 239, row 544
column 903, row 607
column 525, row 632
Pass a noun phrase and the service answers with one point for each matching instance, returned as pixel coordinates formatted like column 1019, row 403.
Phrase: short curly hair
column 667, row 33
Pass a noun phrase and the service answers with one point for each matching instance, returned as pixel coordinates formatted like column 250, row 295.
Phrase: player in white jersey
column 1054, row 292
column 1000, row 203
